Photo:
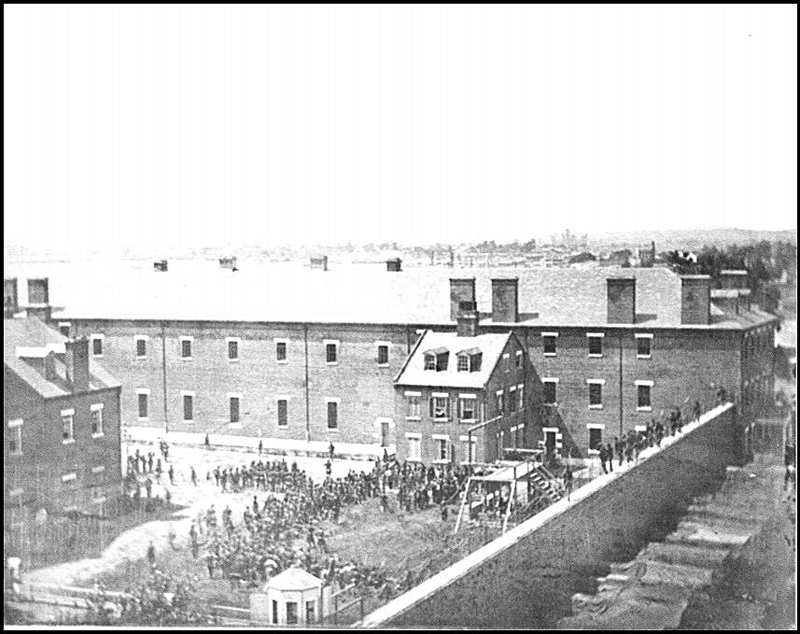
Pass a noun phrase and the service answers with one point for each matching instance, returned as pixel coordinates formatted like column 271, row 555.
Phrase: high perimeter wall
column 527, row 577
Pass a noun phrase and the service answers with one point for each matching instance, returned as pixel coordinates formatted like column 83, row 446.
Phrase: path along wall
column 526, row 578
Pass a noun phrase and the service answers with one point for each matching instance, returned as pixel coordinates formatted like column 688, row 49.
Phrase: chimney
column 77, row 362
column 733, row 279
column 394, row 264
column 621, row 300
column 727, row 299
column 10, row 297
column 39, row 299
column 696, row 299
column 467, row 320
column 505, row 300
column 320, row 263
column 744, row 297
column 461, row 290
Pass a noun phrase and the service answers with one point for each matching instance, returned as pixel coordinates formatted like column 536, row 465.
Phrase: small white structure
column 291, row 598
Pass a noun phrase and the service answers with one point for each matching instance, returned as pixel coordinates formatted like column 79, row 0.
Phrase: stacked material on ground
column 655, row 589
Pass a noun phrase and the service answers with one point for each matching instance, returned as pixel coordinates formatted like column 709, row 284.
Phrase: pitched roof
column 294, row 579
column 491, row 345
column 361, row 293
column 31, row 338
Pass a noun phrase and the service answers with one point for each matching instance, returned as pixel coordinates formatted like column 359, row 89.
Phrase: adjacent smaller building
column 62, row 428
column 462, row 397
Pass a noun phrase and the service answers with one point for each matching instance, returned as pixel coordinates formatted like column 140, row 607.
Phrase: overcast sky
column 157, row 125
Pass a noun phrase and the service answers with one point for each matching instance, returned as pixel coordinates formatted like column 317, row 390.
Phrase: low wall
column 526, row 578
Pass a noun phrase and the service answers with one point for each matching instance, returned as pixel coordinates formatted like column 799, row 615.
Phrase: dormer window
column 469, row 360
column 436, row 359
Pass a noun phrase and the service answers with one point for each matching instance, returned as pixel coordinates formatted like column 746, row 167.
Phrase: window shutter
column 447, row 407
column 430, row 402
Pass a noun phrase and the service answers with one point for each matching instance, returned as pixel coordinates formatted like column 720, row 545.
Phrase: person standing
column 568, row 480
column 603, row 458
column 194, row 477
column 151, row 553
column 171, row 473
column 619, row 447
column 260, row 446
column 610, row 457
column 207, row 442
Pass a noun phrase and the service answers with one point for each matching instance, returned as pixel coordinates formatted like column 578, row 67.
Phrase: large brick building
column 291, row 352
column 62, row 424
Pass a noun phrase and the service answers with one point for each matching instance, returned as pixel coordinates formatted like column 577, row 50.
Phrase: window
column 331, row 351
column 437, row 359
column 309, row 612
column 69, row 477
column 383, row 352
column 68, row 425
column 283, row 412
column 233, row 348
column 233, row 406
column 469, row 448
column 643, row 402
column 440, row 406
column 549, row 396
column 97, row 345
column 280, row 350
column 521, row 396
column 188, row 406
column 142, row 397
column 463, row 363
column 412, row 403
column 507, row 362
column 500, row 402
column 595, row 438
column 595, row 393
column 441, row 448
column 333, row 414
column 63, row 328
column 518, row 357
column 466, row 407
column 186, row 347
column 141, row 346
column 414, row 447
column 15, row 437
column 430, row 361
column 595, row 344
column 274, row 612
column 291, row 613
column 549, row 342
column 643, row 343
column 97, row 420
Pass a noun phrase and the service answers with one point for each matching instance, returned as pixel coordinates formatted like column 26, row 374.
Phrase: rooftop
column 490, row 346
column 361, row 293
column 31, row 338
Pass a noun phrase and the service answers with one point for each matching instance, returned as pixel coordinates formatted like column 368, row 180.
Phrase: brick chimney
column 77, row 362
column 467, row 320
column 505, row 300
column 10, row 297
column 621, row 300
column 39, row 299
column 733, row 279
column 461, row 290
column 696, row 299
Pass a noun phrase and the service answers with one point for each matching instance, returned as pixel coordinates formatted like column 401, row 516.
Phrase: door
column 384, row 434
column 549, row 443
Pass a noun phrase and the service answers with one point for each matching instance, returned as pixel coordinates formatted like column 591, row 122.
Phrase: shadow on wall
column 550, row 416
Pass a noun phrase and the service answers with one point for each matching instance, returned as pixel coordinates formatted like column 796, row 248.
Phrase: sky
column 151, row 126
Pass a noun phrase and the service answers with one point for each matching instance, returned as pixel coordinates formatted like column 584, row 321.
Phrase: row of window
column 186, row 345
column 234, row 408
column 466, row 360
column 643, row 393
column 439, row 404
column 442, row 449
column 67, row 428
column 644, row 344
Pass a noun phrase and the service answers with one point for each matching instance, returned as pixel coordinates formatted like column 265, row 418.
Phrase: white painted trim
column 600, row 381
column 187, row 393
column 467, row 439
column 595, row 426
column 648, row 383
column 413, row 419
column 383, row 343
column 549, row 334
column 468, row 396
column 595, row 334
column 596, row 406
column 513, row 388
column 548, row 430
column 519, row 353
column 68, row 412
column 142, row 390
column 440, row 394
column 499, row 393
column 549, row 354
column 440, row 437
column 643, row 335
column 640, row 427
column 649, row 408
column 99, row 468
column 62, row 324
column 98, row 335
column 96, row 406
column 333, row 341
column 409, row 393
column 282, row 397
column 331, row 399
column 69, row 477
column 17, row 422
column 413, row 435
column 595, row 355
column 186, row 337
column 234, row 395
column 549, row 379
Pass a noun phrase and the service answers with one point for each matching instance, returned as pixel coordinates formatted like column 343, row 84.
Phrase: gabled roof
column 26, row 342
column 490, row 345
column 294, row 579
